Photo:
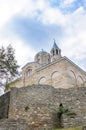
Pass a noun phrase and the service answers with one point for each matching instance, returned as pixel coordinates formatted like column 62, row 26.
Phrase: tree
column 8, row 65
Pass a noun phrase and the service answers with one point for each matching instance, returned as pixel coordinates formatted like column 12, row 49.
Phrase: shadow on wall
column 4, row 105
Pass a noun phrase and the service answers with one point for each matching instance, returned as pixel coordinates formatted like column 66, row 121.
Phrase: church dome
column 42, row 57
column 42, row 52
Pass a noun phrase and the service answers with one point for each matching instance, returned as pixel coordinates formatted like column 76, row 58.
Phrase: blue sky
column 30, row 25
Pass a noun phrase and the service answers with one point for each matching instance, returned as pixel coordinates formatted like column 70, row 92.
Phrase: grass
column 73, row 128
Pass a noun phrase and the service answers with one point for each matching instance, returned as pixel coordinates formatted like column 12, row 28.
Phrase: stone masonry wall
column 33, row 103
column 38, row 105
column 54, row 74
column 11, row 124
column 73, row 99
column 62, row 73
column 4, row 105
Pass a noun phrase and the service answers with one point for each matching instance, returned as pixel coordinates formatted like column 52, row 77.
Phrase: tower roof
column 55, row 45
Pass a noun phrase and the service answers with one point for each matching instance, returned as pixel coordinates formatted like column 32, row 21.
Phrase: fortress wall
column 73, row 99
column 38, row 105
column 11, row 124
column 4, row 105
column 33, row 103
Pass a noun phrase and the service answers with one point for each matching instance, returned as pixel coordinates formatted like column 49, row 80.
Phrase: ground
column 73, row 128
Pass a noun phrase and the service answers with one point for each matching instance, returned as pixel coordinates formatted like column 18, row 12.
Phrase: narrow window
column 29, row 72
column 57, row 52
column 53, row 53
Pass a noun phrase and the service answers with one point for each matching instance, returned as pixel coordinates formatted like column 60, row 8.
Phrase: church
column 51, row 69
column 46, row 83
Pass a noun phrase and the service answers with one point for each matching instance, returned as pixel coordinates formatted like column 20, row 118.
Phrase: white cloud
column 23, row 52
column 73, row 25
column 10, row 8
column 52, row 16
column 74, row 30
column 75, row 35
column 68, row 2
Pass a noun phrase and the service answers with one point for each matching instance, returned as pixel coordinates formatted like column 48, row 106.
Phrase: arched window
column 53, row 53
column 56, row 51
column 42, row 80
column 72, row 77
column 29, row 72
column 80, row 81
column 55, row 78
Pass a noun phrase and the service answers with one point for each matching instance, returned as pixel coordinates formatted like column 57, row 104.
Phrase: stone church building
column 51, row 69
column 34, row 99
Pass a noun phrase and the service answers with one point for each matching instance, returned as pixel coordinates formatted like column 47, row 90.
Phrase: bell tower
column 55, row 52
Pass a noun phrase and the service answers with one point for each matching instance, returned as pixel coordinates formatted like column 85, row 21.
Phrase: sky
column 31, row 25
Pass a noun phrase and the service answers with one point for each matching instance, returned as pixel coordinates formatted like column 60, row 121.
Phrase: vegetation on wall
column 61, row 110
column 73, row 128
